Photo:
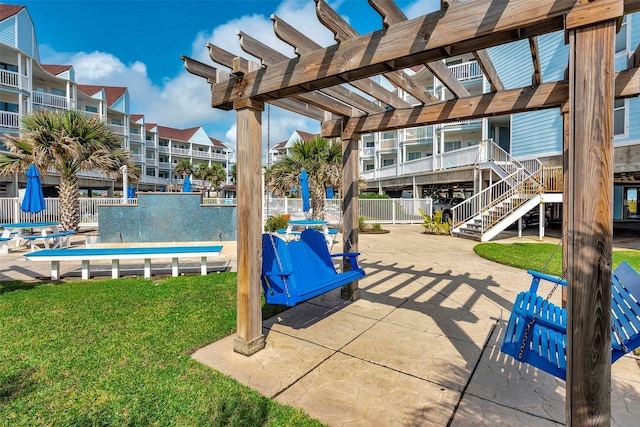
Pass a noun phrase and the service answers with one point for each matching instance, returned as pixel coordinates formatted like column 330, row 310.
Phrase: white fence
column 383, row 211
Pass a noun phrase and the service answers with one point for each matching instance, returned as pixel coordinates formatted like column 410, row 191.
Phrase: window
column 116, row 122
column 414, row 155
column 8, row 67
column 8, row 106
column 369, row 167
column 91, row 109
column 452, row 145
column 135, row 131
column 387, row 162
column 58, row 92
column 389, row 134
column 621, row 37
column 619, row 116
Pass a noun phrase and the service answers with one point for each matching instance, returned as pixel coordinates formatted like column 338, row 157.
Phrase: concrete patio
column 421, row 347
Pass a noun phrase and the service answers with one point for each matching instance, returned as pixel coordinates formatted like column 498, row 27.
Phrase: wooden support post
column 249, row 338
column 350, row 209
column 590, row 223
column 565, row 195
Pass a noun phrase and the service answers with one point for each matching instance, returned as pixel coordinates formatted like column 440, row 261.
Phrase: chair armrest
column 278, row 273
column 536, row 280
column 353, row 258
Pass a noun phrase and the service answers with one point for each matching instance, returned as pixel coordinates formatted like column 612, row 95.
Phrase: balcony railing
column 9, row 78
column 387, row 145
column 151, row 162
column 119, row 129
column 164, row 165
column 195, row 153
column 367, row 152
column 163, row 149
column 48, row 100
column 135, row 137
column 136, row 158
column 9, row 120
column 461, row 123
column 466, row 71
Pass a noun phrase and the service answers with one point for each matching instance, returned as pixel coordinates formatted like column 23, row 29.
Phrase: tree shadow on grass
column 17, row 385
column 16, row 285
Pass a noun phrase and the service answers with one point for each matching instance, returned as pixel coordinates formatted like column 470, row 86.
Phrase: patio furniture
column 537, row 330
column 51, row 241
column 302, row 269
column 16, row 231
column 86, row 255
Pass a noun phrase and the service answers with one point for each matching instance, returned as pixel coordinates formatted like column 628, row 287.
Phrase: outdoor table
column 16, row 233
column 295, row 225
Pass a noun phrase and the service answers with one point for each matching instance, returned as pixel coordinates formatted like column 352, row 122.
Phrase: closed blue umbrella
column 131, row 192
column 186, row 185
column 304, row 190
column 33, row 201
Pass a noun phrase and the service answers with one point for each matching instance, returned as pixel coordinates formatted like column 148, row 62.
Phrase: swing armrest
column 536, row 280
column 353, row 258
column 278, row 273
column 555, row 325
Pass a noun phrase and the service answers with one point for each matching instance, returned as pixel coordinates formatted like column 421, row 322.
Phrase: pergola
column 316, row 83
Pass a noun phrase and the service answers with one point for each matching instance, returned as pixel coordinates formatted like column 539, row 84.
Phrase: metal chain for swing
column 546, row 300
column 275, row 251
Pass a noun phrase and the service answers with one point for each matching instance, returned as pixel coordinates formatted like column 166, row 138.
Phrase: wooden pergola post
column 249, row 338
column 588, row 202
column 350, row 208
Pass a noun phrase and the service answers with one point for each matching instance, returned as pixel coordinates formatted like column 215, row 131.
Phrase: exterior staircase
column 520, row 189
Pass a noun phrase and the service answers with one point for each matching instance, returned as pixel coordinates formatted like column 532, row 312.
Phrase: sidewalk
column 421, row 346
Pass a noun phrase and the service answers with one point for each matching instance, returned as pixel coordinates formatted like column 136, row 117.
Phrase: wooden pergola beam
column 546, row 95
column 535, row 57
column 303, row 44
column 391, row 14
column 480, row 24
column 294, row 104
column 482, row 56
column 489, row 104
column 343, row 32
column 270, row 56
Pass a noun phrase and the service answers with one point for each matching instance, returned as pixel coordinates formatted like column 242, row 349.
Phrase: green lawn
column 116, row 353
column 535, row 256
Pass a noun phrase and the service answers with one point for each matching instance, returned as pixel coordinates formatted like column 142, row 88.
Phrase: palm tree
column 214, row 174
column 184, row 168
column 322, row 158
column 68, row 142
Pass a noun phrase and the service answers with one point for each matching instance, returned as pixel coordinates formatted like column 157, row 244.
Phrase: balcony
column 9, row 78
column 367, row 152
column 195, row 153
column 163, row 149
column 151, row 162
column 387, row 145
column 47, row 100
column 136, row 158
column 462, row 123
column 118, row 129
column 9, row 120
column 466, row 71
column 164, row 165
column 135, row 137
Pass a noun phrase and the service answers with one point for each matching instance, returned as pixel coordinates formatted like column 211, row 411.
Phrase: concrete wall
column 167, row 217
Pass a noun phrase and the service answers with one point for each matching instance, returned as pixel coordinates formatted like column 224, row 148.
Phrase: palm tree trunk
column 69, row 203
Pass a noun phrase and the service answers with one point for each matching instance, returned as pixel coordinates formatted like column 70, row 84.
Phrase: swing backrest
column 310, row 258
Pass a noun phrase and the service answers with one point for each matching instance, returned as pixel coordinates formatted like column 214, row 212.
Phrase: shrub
column 362, row 226
column 377, row 227
column 275, row 222
column 434, row 224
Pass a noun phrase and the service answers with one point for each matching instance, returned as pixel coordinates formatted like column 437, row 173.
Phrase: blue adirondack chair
column 537, row 330
column 302, row 269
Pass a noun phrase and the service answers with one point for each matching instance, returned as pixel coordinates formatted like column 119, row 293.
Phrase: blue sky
column 138, row 44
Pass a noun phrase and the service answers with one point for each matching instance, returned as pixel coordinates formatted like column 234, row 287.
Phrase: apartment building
column 279, row 151
column 27, row 85
column 459, row 157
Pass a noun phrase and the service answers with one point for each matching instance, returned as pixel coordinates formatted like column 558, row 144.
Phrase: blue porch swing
column 302, row 269
column 537, row 330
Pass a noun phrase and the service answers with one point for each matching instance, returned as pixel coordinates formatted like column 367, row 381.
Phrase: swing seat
column 546, row 344
column 302, row 269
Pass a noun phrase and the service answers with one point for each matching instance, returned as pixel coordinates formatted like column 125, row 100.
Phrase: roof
column 113, row 93
column 7, row 11
column 177, row 134
column 306, row 136
column 150, row 126
column 55, row 69
column 280, row 145
column 136, row 117
column 217, row 143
